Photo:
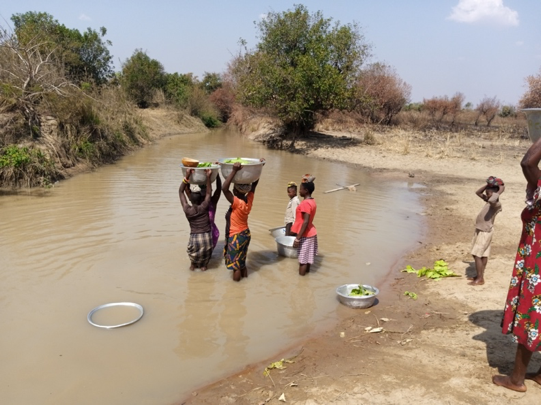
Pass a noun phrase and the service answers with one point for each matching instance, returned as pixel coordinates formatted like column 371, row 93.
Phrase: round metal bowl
column 366, row 301
column 285, row 247
column 199, row 176
column 249, row 173
column 277, row 232
column 115, row 304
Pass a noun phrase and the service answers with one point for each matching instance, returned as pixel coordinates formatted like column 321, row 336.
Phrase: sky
column 481, row 48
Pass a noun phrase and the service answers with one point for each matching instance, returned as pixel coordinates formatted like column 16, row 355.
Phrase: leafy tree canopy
column 84, row 56
column 303, row 63
column 141, row 76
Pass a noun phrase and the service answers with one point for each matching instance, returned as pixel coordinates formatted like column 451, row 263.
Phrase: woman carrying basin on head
column 200, row 244
column 237, row 232
column 213, row 205
column 303, row 227
column 522, row 313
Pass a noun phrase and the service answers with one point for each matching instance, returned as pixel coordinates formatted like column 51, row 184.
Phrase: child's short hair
column 291, row 184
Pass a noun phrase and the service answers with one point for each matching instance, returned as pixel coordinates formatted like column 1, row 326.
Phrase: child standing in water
column 291, row 206
column 200, row 243
column 303, row 227
column 484, row 226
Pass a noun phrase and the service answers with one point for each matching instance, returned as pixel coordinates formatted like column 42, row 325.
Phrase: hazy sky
column 440, row 47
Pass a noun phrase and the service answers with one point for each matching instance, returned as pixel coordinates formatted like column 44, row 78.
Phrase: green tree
column 211, row 82
column 304, row 63
column 141, row 76
column 178, row 88
column 83, row 56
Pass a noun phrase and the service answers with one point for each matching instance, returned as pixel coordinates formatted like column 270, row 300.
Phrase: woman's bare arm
column 530, row 163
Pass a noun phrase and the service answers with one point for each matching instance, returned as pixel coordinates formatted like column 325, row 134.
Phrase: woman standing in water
column 237, row 232
column 522, row 314
column 213, row 205
column 200, row 243
column 303, row 227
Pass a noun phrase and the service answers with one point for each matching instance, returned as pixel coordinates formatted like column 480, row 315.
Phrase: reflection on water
column 119, row 234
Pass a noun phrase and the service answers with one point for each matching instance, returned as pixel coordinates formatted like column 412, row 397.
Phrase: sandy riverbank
column 442, row 348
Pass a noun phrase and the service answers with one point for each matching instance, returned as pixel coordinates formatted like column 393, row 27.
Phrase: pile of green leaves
column 410, row 294
column 237, row 160
column 361, row 291
column 205, row 164
column 440, row 270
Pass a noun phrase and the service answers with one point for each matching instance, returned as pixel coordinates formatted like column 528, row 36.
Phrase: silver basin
column 343, row 291
column 277, row 232
column 249, row 173
column 199, row 176
column 285, row 246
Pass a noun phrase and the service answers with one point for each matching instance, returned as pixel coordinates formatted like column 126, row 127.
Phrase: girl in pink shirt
column 304, row 229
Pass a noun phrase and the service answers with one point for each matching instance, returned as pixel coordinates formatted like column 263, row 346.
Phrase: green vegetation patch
column 361, row 291
column 440, row 270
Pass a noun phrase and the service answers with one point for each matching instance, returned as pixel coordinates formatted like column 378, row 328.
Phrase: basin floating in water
column 356, row 301
column 533, row 115
column 249, row 173
column 199, row 176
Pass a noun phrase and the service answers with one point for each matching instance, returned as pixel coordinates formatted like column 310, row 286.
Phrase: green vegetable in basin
column 361, row 291
column 237, row 160
column 205, row 164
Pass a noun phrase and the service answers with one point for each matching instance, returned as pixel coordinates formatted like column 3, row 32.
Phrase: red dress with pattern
column 522, row 314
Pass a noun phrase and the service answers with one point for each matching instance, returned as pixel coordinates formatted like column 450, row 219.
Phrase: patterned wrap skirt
column 200, row 249
column 307, row 250
column 236, row 250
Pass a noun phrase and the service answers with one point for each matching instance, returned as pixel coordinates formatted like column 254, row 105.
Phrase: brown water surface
column 119, row 234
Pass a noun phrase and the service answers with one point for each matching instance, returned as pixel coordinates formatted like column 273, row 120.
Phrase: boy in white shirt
column 291, row 206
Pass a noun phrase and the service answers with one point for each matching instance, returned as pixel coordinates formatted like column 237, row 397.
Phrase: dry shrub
column 224, row 100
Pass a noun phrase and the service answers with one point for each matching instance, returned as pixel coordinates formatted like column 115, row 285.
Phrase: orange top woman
column 237, row 232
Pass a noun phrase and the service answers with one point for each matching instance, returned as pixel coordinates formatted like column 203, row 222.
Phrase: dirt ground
column 443, row 347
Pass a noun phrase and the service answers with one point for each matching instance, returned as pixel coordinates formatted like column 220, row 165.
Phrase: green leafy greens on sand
column 205, row 164
column 440, row 270
column 361, row 291
column 237, row 160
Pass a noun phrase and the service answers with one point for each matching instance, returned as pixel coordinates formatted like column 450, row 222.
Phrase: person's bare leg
column 192, row 267
column 515, row 381
column 308, row 268
column 204, row 268
column 534, row 376
column 480, row 264
column 237, row 275
column 244, row 272
column 302, row 269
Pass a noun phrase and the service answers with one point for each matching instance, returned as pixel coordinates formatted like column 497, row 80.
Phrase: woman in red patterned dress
column 522, row 314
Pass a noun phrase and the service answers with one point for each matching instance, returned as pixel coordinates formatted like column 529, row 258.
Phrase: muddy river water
column 119, row 234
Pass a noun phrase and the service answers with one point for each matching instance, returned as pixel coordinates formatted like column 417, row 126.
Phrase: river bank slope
column 441, row 348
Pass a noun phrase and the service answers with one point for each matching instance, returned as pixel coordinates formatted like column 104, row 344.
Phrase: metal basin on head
column 199, row 176
column 250, row 172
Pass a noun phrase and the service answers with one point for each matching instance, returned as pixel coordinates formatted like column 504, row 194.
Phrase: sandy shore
column 443, row 347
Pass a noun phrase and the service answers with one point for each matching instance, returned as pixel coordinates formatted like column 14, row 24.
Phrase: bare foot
column 471, row 278
column 534, row 377
column 203, row 269
column 476, row 282
column 505, row 381
column 192, row 267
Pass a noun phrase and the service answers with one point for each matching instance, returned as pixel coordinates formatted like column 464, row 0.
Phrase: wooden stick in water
column 341, row 188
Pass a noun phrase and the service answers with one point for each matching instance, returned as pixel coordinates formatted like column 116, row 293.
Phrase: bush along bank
column 68, row 132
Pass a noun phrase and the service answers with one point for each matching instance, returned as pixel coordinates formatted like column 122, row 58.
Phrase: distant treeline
column 62, row 103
